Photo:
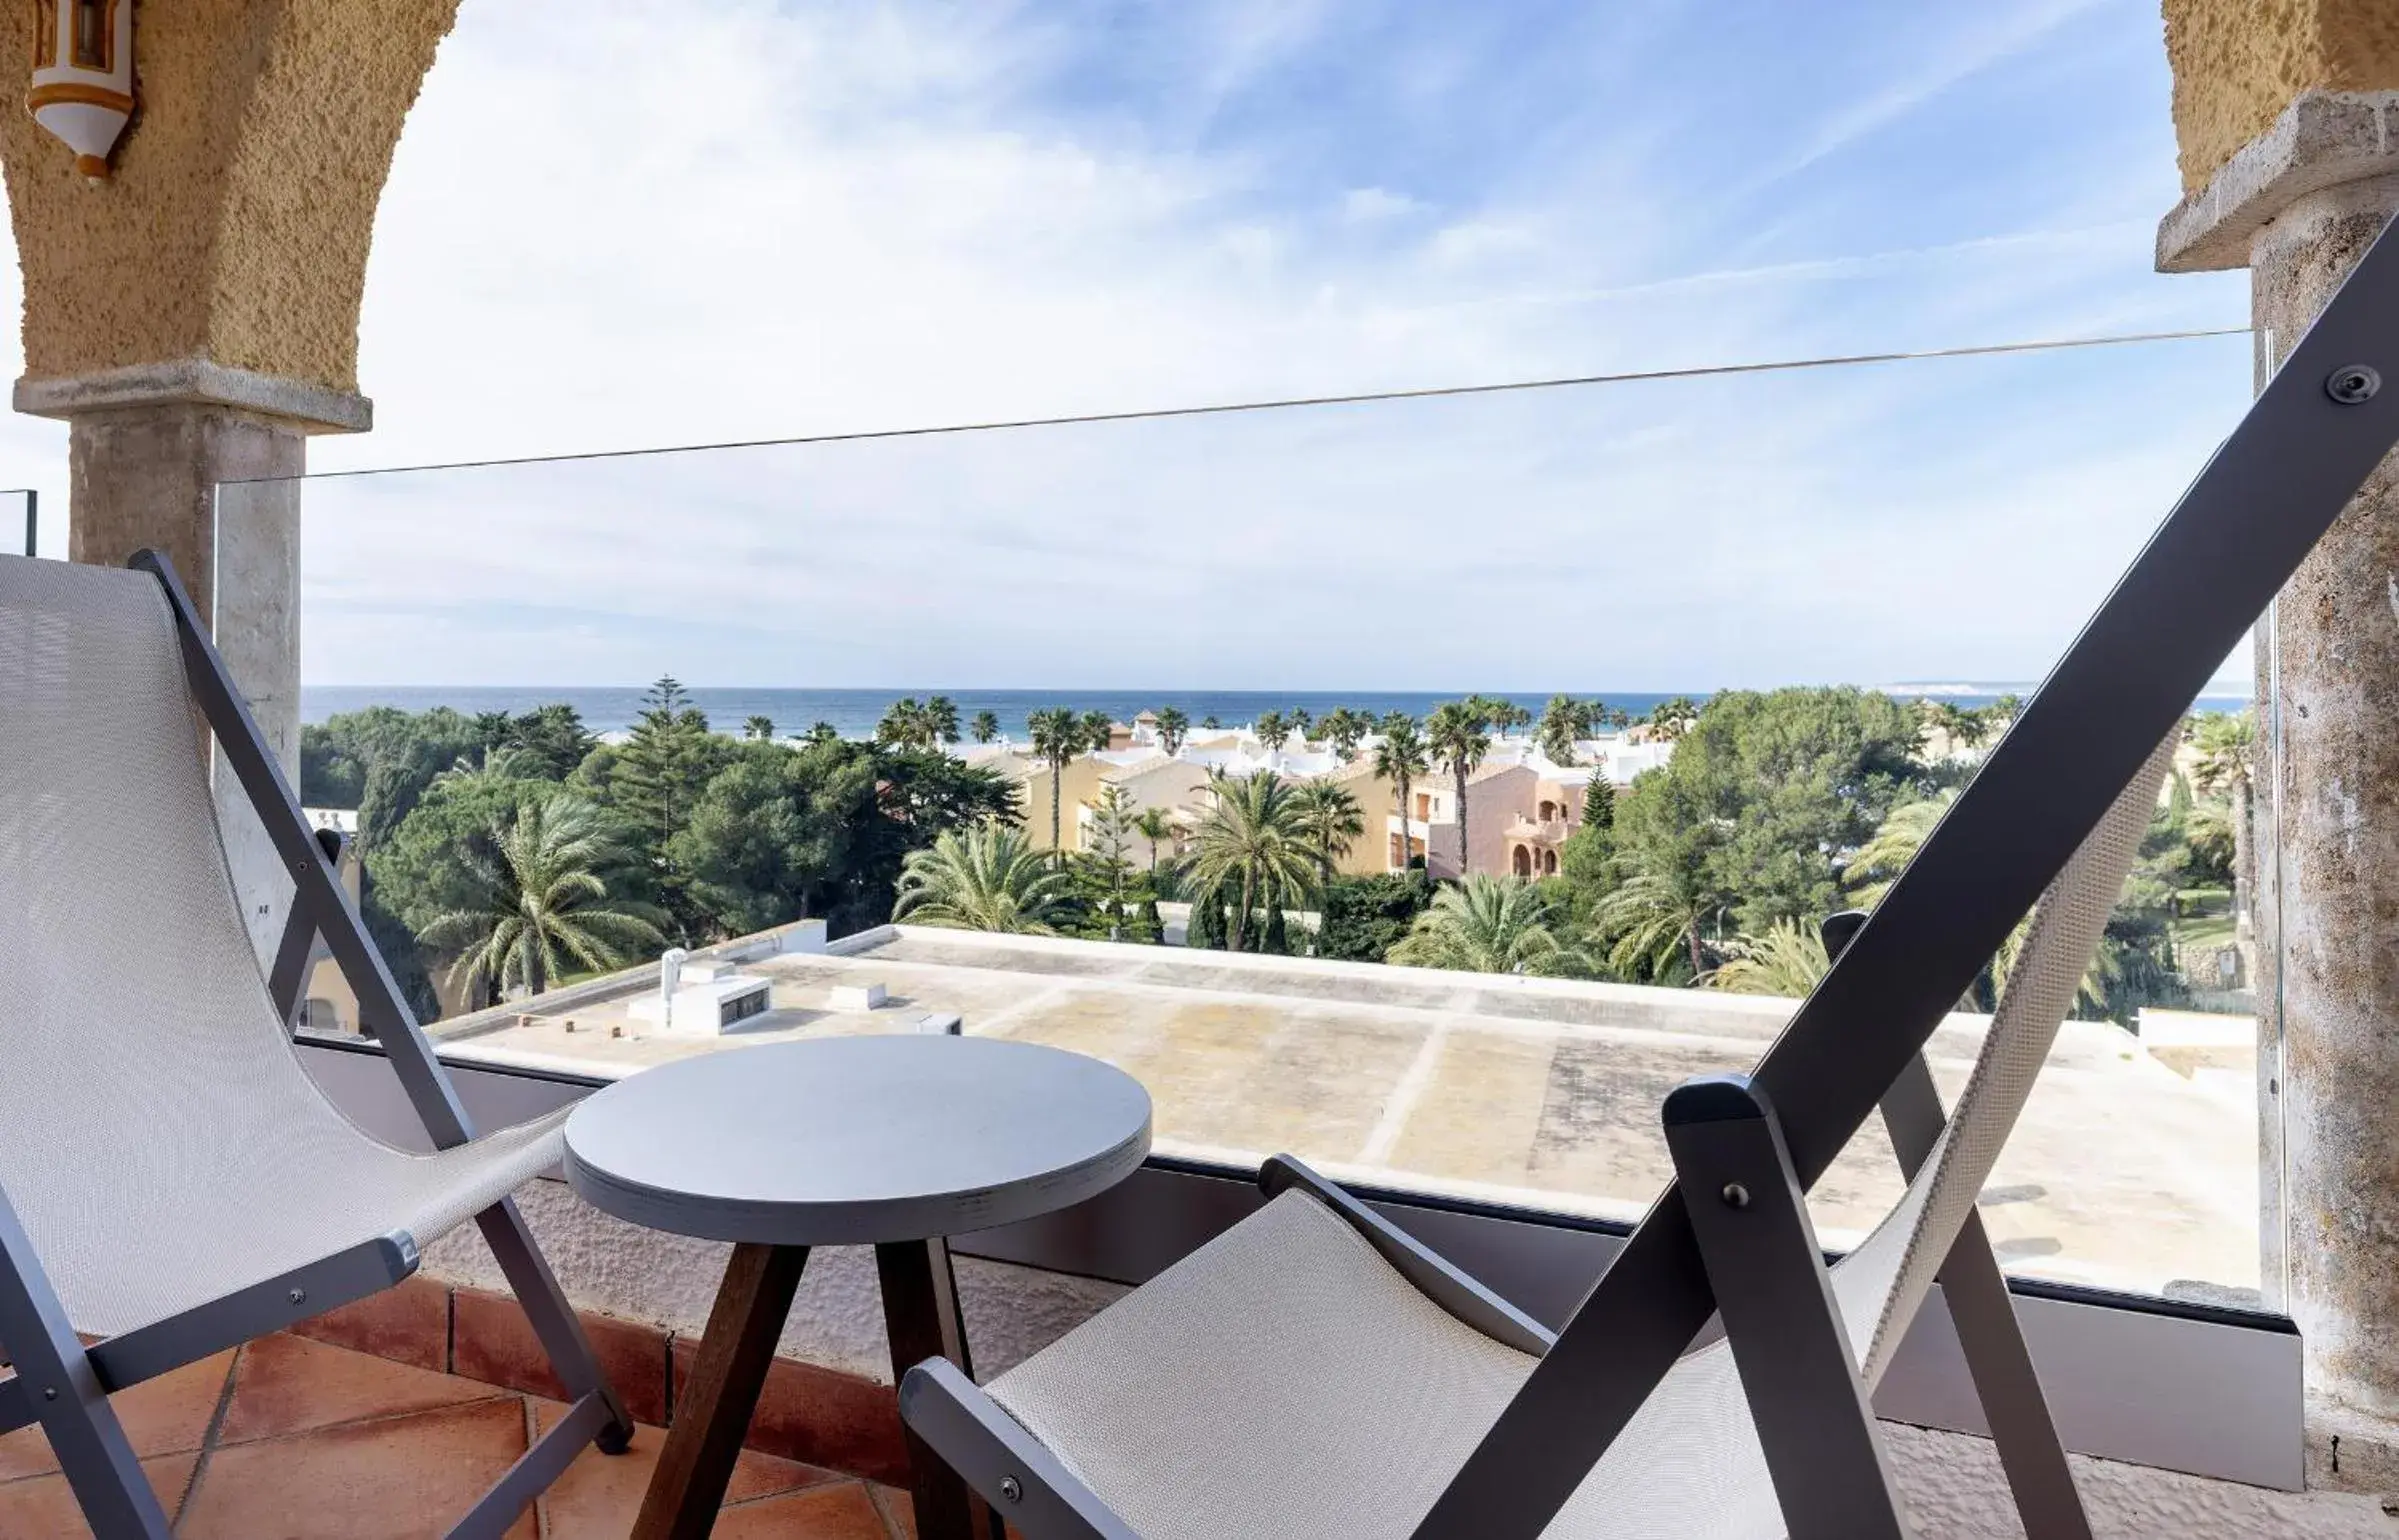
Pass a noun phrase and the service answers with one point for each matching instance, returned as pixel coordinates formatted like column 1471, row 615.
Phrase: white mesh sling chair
column 1315, row 1373
column 1341, row 1373
column 171, row 1179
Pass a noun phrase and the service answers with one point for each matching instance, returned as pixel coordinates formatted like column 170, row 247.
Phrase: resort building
column 1522, row 805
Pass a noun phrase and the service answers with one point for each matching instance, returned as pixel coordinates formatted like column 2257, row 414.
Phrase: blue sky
column 614, row 225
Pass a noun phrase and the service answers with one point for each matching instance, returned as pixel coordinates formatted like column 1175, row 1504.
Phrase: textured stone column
column 147, row 452
column 2298, row 205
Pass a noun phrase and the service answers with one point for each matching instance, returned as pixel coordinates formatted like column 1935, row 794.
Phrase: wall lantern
column 83, row 76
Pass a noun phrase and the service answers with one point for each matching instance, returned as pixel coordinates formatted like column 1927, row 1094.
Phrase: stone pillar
column 195, row 315
column 183, row 460
column 2298, row 204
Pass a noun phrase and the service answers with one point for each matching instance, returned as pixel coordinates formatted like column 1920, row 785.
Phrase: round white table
column 895, row 1142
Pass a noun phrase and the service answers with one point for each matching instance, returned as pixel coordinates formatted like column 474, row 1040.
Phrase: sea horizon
column 854, row 712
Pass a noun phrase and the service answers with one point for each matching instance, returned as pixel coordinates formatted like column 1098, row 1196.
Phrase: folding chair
column 1341, row 1372
column 1315, row 1372
column 171, row 1179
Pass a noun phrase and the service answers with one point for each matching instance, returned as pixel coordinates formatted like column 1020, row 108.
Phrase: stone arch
column 233, row 231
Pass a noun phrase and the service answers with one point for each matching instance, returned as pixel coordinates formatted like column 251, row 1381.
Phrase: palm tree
column 987, row 726
column 1459, row 736
column 1400, row 758
column 1210, row 722
column 541, row 903
column 987, row 877
column 1502, row 713
column 1487, row 924
column 941, row 721
column 1875, row 865
column 1099, row 730
column 1563, row 720
column 1057, row 738
column 1903, row 832
column 496, row 767
column 759, row 729
column 822, row 733
column 1652, row 916
column 1329, row 819
column 1251, row 848
column 1173, row 727
column 1153, row 825
column 1965, row 727
column 1669, row 719
column 1343, row 728
column 1786, row 961
column 1272, row 729
column 903, row 723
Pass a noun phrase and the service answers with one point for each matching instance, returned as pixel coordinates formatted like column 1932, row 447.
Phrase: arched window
column 1549, row 863
column 1523, row 860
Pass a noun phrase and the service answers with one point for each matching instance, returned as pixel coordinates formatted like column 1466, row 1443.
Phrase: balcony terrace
column 1199, row 410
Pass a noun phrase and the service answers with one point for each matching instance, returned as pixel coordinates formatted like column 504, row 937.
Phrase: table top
column 856, row 1140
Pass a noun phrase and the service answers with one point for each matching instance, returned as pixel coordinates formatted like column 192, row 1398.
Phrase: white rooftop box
column 701, row 999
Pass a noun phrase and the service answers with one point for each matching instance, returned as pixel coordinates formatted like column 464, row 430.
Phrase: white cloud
column 1373, row 205
column 1978, row 40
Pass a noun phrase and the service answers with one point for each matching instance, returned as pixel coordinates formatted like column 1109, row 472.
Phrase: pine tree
column 658, row 777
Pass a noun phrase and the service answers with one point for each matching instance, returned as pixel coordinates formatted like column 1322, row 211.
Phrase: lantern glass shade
column 95, row 34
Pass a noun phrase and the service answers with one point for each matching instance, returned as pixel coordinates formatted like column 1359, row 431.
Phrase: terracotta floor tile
column 409, row 1324
column 899, row 1512
column 166, row 1415
column 43, row 1508
column 398, row 1478
column 287, row 1385
column 600, row 1494
column 898, row 1509
column 842, row 1512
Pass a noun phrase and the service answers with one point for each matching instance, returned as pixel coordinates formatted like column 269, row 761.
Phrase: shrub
column 1365, row 916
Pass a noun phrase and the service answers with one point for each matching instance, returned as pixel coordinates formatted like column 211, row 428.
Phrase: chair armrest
column 1000, row 1458
column 1432, row 1274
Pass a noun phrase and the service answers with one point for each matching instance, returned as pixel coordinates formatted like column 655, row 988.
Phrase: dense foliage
column 691, row 832
column 1364, row 917
column 508, row 849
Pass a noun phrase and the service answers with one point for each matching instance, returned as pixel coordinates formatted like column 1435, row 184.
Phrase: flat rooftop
column 2127, row 1171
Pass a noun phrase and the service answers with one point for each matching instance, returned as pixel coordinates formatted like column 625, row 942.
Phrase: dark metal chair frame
column 1731, row 1233
column 64, row 1385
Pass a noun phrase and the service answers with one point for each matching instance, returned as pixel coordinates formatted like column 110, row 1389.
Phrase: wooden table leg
column 713, row 1416
column 920, row 1312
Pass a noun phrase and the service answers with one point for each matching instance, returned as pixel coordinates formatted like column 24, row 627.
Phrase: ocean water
column 854, row 713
